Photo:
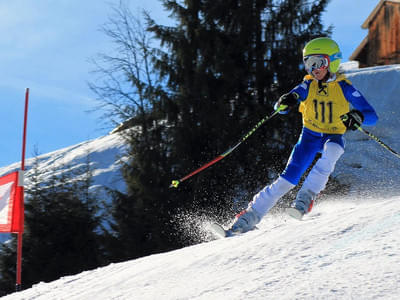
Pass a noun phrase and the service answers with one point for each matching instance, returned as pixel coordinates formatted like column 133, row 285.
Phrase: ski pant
column 331, row 147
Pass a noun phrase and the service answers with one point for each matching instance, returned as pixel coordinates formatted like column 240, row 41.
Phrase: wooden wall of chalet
column 384, row 36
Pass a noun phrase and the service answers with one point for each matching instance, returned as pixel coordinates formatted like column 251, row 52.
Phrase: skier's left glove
column 353, row 119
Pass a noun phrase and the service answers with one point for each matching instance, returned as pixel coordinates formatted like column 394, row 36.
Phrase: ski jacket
column 322, row 104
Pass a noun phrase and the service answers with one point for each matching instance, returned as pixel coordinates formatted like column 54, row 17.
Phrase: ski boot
column 302, row 205
column 245, row 221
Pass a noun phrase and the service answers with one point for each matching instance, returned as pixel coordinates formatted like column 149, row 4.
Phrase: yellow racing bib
column 324, row 105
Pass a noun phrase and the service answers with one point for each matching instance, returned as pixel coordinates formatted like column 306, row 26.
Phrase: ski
column 220, row 231
column 295, row 213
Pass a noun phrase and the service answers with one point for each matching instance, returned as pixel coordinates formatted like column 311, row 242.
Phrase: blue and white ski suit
column 321, row 105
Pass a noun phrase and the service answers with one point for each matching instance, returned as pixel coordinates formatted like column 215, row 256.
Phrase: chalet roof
column 372, row 15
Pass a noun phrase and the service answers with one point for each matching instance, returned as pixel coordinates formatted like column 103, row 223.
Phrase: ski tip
column 219, row 231
column 295, row 213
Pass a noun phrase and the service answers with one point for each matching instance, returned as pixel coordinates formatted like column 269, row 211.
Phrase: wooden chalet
column 382, row 44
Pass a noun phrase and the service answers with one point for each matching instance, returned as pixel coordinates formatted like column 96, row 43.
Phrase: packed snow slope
column 347, row 248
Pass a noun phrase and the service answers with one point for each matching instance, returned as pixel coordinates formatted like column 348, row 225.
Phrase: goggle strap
column 337, row 55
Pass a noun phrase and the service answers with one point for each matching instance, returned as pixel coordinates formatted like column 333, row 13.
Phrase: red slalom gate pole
column 24, row 133
column 19, row 246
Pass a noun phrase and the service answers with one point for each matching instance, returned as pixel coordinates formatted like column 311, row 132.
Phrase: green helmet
column 325, row 46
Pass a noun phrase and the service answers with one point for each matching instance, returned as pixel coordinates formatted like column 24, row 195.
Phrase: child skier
column 324, row 97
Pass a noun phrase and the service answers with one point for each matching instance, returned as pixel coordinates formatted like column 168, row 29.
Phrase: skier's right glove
column 289, row 100
column 353, row 119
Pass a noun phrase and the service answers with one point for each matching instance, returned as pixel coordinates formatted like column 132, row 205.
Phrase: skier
column 325, row 97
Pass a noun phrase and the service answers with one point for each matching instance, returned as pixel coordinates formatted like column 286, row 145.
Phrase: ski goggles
column 316, row 62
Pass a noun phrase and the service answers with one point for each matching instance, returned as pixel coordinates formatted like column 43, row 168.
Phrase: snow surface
column 347, row 248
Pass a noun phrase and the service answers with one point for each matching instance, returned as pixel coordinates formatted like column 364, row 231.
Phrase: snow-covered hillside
column 103, row 153
column 366, row 166
column 347, row 248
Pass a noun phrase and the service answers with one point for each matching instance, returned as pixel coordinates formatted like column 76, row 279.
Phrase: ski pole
column 378, row 141
column 175, row 183
column 375, row 138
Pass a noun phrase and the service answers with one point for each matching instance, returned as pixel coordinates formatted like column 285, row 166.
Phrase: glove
column 353, row 119
column 289, row 99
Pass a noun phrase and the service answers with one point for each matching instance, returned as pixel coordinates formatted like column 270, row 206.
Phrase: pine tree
column 221, row 67
column 227, row 62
